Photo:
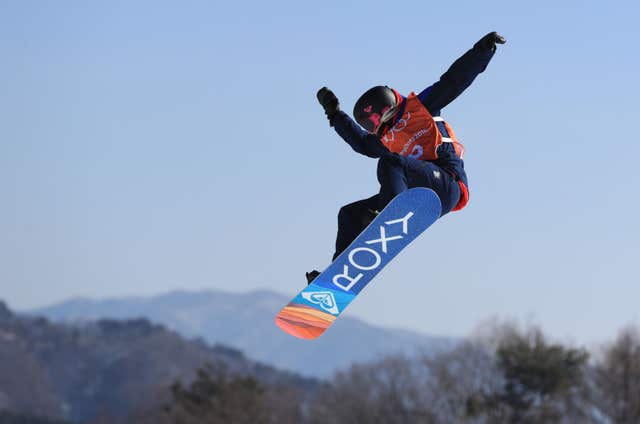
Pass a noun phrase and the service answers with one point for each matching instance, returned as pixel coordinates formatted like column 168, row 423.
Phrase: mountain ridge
column 245, row 321
column 80, row 372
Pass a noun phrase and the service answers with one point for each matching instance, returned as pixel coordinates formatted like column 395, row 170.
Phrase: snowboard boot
column 312, row 276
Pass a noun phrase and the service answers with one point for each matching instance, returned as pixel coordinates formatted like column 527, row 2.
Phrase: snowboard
column 316, row 307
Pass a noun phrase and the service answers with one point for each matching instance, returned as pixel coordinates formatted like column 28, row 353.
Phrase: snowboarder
column 414, row 146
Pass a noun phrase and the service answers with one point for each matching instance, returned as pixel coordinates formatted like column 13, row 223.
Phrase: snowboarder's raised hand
column 489, row 41
column 329, row 102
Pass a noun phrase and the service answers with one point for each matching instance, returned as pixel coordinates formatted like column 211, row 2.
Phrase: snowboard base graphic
column 317, row 306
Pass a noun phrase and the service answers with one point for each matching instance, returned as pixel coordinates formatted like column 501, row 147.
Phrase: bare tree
column 505, row 375
column 215, row 396
column 386, row 392
column 542, row 381
column 220, row 396
column 457, row 382
column 617, row 378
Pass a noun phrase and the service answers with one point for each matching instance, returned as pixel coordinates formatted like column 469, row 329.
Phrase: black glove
column 329, row 102
column 489, row 41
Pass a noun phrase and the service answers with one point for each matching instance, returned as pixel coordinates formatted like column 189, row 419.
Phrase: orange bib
column 416, row 134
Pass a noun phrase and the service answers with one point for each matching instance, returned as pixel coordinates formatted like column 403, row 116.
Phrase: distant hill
column 105, row 369
column 245, row 321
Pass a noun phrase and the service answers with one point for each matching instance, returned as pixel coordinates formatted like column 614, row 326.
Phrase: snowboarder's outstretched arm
column 451, row 84
column 360, row 140
column 461, row 74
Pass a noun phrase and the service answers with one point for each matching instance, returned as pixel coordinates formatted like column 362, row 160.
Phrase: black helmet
column 375, row 107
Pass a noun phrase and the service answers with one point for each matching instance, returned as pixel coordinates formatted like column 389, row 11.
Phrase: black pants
column 395, row 174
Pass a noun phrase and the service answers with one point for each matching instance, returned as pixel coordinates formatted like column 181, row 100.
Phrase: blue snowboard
column 315, row 308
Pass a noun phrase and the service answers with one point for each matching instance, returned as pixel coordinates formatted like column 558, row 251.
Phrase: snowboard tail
column 318, row 305
column 303, row 321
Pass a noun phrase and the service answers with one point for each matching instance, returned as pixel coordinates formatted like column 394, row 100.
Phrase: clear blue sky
column 149, row 146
